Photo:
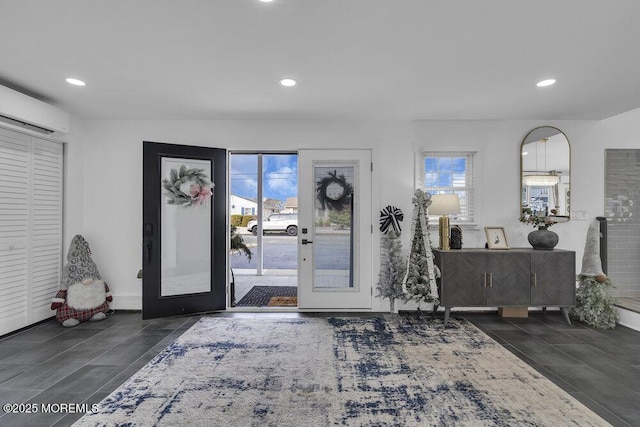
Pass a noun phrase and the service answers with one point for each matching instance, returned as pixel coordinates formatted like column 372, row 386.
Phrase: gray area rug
column 338, row 371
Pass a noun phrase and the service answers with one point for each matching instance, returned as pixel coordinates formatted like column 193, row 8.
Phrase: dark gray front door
column 183, row 229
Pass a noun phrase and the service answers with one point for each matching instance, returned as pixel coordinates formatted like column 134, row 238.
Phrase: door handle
column 306, row 242
column 535, row 280
column 147, row 252
column 491, row 280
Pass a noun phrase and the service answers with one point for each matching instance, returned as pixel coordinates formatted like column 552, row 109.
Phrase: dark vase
column 543, row 239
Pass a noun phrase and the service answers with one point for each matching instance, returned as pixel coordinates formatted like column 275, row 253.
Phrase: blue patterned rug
column 338, row 372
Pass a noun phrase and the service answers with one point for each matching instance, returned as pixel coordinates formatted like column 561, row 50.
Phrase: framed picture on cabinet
column 496, row 238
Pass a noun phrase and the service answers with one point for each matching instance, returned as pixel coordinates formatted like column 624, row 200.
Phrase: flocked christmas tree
column 392, row 268
column 420, row 280
column 594, row 302
column 392, row 264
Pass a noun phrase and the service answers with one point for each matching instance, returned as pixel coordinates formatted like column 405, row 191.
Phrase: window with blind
column 451, row 172
column 30, row 228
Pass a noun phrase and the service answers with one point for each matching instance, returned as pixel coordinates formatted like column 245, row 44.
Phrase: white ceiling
column 353, row 59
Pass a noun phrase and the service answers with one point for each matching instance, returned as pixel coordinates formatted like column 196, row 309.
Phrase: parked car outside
column 279, row 222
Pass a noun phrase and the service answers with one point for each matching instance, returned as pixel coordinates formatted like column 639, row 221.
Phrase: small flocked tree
column 594, row 303
column 392, row 268
column 420, row 279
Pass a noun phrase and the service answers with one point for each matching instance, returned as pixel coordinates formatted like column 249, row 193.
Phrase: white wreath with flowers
column 187, row 187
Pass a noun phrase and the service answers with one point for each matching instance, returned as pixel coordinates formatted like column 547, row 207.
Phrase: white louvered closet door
column 14, row 229
column 46, row 226
column 30, row 228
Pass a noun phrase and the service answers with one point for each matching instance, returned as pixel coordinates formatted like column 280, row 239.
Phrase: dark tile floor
column 51, row 364
column 600, row 368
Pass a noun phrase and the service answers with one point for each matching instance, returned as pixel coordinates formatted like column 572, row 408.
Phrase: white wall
column 498, row 174
column 498, row 169
column 621, row 131
column 108, row 161
column 73, row 180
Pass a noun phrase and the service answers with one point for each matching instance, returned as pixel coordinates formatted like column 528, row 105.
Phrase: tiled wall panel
column 622, row 209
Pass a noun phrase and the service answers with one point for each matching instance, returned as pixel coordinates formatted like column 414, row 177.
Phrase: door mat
column 283, row 302
column 260, row 296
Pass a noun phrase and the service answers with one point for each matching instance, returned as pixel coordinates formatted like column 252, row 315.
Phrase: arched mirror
column 545, row 173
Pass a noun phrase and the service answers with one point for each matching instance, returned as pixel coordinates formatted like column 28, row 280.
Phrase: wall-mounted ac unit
column 29, row 113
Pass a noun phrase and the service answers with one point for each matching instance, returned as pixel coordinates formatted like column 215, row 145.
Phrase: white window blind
column 30, row 228
column 451, row 172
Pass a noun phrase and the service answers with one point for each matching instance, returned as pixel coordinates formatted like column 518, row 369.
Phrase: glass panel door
column 184, row 229
column 333, row 249
column 335, row 229
column 264, row 209
column 185, row 222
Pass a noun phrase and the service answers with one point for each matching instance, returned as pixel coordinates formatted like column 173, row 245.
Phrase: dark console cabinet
column 510, row 278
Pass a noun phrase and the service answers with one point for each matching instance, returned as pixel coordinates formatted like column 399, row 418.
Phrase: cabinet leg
column 447, row 312
column 565, row 314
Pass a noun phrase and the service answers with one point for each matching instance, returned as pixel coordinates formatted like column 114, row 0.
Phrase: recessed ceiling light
column 288, row 82
column 266, row 1
column 75, row 82
column 547, row 82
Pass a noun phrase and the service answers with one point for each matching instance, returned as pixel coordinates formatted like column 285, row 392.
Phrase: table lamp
column 444, row 205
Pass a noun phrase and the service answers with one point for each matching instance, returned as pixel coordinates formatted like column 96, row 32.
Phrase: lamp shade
column 444, row 204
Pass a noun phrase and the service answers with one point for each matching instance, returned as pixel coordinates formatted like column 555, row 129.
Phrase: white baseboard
column 126, row 302
column 628, row 318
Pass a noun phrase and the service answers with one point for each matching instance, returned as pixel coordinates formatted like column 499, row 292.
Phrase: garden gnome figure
column 594, row 302
column 82, row 295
